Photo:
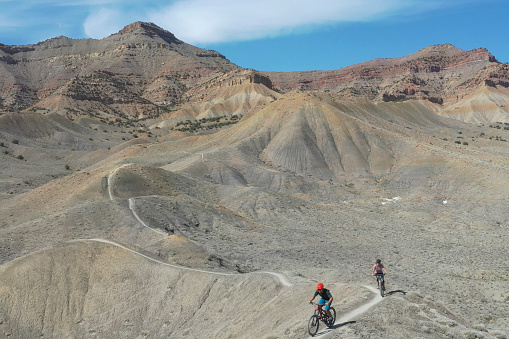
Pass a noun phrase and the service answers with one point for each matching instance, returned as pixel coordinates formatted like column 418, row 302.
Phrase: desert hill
column 158, row 190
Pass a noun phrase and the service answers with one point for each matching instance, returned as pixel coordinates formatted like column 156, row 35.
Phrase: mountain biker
column 326, row 299
column 379, row 269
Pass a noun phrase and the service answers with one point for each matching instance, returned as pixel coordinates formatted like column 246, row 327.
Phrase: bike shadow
column 343, row 324
column 394, row 292
column 334, row 327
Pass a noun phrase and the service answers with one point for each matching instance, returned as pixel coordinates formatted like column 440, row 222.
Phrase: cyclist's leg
column 321, row 303
column 326, row 308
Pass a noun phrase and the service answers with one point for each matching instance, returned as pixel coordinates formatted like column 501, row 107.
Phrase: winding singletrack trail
column 281, row 278
column 131, row 207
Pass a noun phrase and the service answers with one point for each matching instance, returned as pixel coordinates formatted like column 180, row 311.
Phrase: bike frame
column 321, row 313
column 381, row 283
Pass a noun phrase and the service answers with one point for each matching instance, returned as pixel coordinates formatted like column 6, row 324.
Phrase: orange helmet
column 319, row 286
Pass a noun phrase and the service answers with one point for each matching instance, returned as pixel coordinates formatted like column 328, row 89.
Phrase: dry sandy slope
column 93, row 289
column 485, row 105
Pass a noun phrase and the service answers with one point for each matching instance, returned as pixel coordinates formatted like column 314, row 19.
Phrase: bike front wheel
column 313, row 324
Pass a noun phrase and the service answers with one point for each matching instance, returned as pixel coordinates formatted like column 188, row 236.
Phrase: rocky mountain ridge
column 135, row 70
column 145, row 71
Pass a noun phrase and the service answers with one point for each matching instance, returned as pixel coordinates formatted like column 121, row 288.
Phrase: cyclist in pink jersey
column 379, row 269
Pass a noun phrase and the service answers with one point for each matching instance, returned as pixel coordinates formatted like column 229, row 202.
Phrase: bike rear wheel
column 381, row 286
column 313, row 324
column 333, row 313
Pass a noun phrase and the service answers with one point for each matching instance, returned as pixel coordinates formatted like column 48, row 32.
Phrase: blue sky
column 275, row 35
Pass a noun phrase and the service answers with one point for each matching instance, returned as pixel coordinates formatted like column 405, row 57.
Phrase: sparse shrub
column 15, row 141
column 20, row 157
column 457, row 142
column 472, row 335
column 67, row 167
column 465, row 143
column 1, row 144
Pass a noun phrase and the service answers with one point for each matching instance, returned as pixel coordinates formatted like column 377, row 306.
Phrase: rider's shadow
column 336, row 326
column 343, row 324
column 394, row 292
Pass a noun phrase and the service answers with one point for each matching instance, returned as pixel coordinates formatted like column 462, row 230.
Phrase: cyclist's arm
column 384, row 270
column 330, row 298
column 373, row 271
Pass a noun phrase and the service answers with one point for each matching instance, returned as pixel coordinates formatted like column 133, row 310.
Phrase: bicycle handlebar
column 316, row 304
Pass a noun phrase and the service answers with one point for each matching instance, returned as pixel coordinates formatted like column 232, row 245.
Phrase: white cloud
column 204, row 21
column 209, row 21
column 102, row 22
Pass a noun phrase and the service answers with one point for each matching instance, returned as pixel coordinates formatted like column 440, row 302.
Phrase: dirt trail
column 131, row 207
column 281, row 278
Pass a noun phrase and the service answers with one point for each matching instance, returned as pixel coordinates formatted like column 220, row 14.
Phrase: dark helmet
column 378, row 261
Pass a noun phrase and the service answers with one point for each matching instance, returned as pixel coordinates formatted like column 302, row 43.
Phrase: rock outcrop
column 436, row 73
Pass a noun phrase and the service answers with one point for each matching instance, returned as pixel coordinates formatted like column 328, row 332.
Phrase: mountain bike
column 320, row 315
column 381, row 283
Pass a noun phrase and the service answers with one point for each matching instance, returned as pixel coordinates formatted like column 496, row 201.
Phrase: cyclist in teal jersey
column 326, row 299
